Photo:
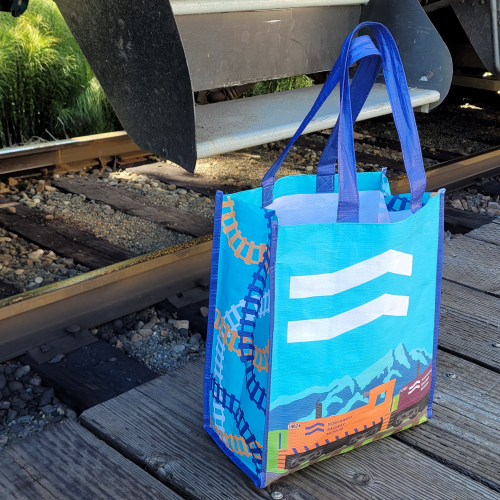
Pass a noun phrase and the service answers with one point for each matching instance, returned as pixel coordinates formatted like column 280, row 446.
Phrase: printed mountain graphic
column 347, row 393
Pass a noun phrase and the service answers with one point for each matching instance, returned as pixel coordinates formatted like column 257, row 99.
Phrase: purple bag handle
column 360, row 48
column 403, row 117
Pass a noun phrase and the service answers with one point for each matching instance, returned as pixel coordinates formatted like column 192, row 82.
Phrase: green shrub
column 46, row 85
column 280, row 85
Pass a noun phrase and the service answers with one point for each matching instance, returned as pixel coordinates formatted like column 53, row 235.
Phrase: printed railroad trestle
column 243, row 248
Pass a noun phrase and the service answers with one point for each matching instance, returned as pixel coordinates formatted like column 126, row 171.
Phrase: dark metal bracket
column 15, row 7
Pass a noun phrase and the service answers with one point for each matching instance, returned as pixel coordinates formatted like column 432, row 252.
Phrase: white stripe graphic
column 322, row 285
column 310, row 330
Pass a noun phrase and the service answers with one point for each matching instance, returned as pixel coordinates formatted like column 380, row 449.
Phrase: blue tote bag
column 325, row 294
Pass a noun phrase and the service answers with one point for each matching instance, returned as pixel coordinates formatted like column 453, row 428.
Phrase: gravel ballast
column 155, row 337
column 26, row 405
column 24, row 266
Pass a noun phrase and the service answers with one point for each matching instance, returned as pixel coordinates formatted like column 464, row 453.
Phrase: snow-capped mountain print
column 348, row 393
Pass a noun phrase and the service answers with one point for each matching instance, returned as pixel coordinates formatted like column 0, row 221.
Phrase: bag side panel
column 272, row 290
column 354, row 335
column 238, row 365
column 439, row 279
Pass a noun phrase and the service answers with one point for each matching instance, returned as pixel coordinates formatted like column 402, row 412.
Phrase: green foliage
column 46, row 85
column 280, row 85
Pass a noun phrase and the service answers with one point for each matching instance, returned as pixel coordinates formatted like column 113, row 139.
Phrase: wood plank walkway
column 66, row 462
column 456, row 455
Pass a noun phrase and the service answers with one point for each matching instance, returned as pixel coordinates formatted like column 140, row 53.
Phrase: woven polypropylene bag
column 324, row 298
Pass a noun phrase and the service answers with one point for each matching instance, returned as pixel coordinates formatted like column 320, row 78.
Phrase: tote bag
column 325, row 290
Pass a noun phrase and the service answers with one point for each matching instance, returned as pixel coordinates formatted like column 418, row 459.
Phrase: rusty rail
column 100, row 148
column 37, row 317
column 455, row 174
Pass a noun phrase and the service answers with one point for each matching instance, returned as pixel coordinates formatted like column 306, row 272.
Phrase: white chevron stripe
column 310, row 330
column 321, row 285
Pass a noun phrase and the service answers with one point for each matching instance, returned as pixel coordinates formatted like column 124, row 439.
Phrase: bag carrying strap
column 361, row 85
column 342, row 139
column 361, row 47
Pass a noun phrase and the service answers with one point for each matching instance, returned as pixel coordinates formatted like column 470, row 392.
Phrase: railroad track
column 118, row 284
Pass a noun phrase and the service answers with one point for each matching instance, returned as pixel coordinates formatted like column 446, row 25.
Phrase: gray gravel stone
column 47, row 397
column 195, row 338
column 181, row 324
column 145, row 332
column 136, row 337
column 22, row 371
column 56, row 359
column 15, row 428
column 15, row 386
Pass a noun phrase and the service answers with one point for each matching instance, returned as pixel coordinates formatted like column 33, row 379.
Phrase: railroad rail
column 33, row 318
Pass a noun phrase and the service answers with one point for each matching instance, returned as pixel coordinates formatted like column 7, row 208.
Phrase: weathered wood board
column 489, row 233
column 165, row 435
column 473, row 263
column 64, row 239
column 170, row 217
column 465, row 430
column 461, row 221
column 470, row 324
column 66, row 462
column 107, row 372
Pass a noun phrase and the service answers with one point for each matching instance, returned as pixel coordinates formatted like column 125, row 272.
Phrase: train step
column 243, row 123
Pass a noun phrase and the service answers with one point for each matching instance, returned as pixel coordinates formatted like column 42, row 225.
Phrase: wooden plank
column 473, row 263
column 470, row 304
column 464, row 433
column 63, row 239
column 172, row 174
column 92, row 374
column 489, row 233
column 470, row 325
column 170, row 217
column 66, row 462
column 462, row 221
column 489, row 188
column 165, row 435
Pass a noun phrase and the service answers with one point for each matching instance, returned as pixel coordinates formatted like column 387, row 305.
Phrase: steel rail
column 455, row 174
column 37, row 317
column 63, row 153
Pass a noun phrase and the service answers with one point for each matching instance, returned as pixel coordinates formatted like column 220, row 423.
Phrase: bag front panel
column 239, row 373
column 354, row 335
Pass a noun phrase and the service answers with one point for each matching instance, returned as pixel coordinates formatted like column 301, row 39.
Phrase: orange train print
column 310, row 440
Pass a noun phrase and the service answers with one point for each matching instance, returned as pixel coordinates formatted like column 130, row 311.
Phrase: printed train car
column 310, row 440
column 413, row 398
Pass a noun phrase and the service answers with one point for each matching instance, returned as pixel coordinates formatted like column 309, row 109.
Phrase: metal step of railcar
column 232, row 125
